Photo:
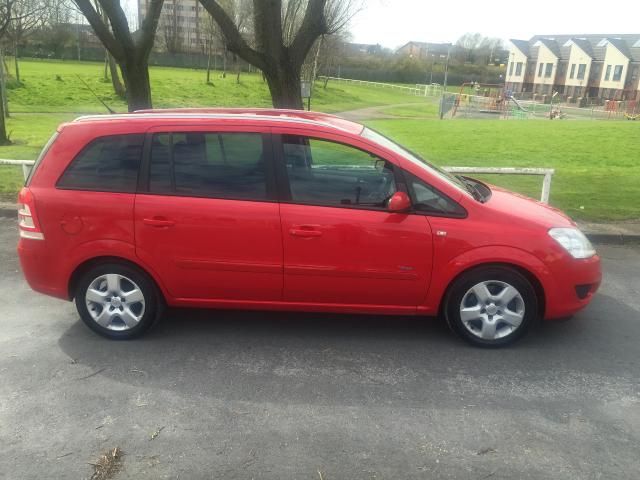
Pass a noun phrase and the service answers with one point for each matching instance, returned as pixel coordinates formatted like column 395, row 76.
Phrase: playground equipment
column 482, row 100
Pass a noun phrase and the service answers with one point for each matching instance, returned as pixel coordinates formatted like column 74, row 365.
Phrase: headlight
column 573, row 241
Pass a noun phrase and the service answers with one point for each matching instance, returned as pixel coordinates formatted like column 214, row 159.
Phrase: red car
column 286, row 210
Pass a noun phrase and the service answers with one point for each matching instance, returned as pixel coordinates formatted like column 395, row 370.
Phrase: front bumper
column 574, row 284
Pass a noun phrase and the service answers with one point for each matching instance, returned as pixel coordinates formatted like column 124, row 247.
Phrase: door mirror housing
column 399, row 202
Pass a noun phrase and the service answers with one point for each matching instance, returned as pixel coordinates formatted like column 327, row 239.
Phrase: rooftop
column 593, row 45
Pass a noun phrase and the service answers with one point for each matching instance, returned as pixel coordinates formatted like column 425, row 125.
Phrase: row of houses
column 578, row 66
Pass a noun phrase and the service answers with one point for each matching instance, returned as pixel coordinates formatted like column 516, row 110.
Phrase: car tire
column 118, row 301
column 491, row 306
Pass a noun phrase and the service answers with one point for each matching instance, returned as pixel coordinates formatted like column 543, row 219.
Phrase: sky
column 392, row 23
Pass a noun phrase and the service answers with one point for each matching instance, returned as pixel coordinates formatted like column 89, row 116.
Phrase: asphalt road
column 293, row 396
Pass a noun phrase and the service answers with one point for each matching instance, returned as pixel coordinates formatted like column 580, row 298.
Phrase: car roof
column 260, row 115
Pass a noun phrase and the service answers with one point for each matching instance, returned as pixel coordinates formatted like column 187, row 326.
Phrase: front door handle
column 158, row 222
column 305, row 231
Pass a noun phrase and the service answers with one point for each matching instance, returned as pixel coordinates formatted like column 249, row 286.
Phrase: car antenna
column 94, row 94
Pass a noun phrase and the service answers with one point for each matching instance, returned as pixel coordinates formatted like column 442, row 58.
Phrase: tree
column 5, row 20
column 28, row 15
column 282, row 39
column 110, row 63
column 130, row 49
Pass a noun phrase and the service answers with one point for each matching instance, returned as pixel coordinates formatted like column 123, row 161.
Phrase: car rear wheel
column 491, row 306
column 117, row 301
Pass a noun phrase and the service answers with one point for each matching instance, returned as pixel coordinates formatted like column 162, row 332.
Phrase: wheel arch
column 89, row 263
column 526, row 273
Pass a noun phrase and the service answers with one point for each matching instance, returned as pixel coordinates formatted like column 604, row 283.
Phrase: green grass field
column 597, row 168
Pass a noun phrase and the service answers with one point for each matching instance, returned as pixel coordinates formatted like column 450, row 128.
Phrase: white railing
column 26, row 165
column 546, row 172
column 418, row 90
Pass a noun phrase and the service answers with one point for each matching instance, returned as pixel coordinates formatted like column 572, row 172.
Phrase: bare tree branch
column 313, row 25
column 233, row 38
column 101, row 29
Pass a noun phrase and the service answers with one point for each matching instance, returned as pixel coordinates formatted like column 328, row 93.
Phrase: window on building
column 573, row 70
column 510, row 69
column 548, row 70
column 617, row 73
column 108, row 164
column 540, row 67
column 607, row 74
column 224, row 165
column 518, row 69
column 582, row 68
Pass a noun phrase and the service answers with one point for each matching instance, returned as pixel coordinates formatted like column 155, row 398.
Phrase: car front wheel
column 491, row 306
column 117, row 301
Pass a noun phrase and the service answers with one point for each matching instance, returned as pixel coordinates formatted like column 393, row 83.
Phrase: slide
column 510, row 97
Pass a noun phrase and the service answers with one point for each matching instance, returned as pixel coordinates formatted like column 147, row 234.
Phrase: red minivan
column 286, row 210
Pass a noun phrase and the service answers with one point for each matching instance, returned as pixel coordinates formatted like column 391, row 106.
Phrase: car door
column 341, row 245
column 207, row 218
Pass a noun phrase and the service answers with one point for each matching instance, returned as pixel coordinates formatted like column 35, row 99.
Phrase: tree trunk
column 15, row 52
column 4, row 140
column 315, row 62
column 136, row 79
column 224, row 63
column 106, row 64
column 284, row 86
column 115, row 78
column 237, row 64
column 208, row 62
column 3, row 84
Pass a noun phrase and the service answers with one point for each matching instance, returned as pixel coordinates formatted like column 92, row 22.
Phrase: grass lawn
column 597, row 168
column 59, row 86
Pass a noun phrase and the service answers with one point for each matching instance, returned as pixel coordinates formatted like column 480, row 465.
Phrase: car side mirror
column 399, row 202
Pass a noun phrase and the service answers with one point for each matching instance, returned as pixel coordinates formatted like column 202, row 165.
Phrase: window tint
column 427, row 199
column 108, row 164
column 327, row 173
column 225, row 165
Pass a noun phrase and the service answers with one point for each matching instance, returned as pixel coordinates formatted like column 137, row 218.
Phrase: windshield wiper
column 471, row 188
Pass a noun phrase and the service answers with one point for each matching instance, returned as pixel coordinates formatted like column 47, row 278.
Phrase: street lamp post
column 444, row 87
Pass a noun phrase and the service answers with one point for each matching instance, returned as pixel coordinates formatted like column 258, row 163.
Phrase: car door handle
column 306, row 231
column 158, row 222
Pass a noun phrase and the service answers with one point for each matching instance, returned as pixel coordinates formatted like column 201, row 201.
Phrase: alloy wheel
column 492, row 309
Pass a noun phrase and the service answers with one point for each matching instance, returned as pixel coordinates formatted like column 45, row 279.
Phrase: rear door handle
column 158, row 222
column 306, row 231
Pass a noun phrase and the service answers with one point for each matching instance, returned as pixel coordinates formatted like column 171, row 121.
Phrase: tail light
column 27, row 220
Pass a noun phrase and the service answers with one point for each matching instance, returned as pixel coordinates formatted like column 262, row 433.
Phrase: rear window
column 107, row 164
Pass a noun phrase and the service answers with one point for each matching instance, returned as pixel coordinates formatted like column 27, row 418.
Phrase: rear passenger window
column 216, row 165
column 107, row 164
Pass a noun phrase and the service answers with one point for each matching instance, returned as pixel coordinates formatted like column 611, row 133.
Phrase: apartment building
column 577, row 66
column 180, row 27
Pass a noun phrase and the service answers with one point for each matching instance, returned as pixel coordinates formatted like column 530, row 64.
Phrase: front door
column 341, row 245
column 209, row 223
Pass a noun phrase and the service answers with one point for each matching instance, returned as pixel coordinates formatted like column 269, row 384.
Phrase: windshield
column 413, row 158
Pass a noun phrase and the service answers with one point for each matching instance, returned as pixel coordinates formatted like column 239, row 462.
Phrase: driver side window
column 330, row 174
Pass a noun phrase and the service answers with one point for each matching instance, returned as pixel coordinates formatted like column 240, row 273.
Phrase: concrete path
column 377, row 113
